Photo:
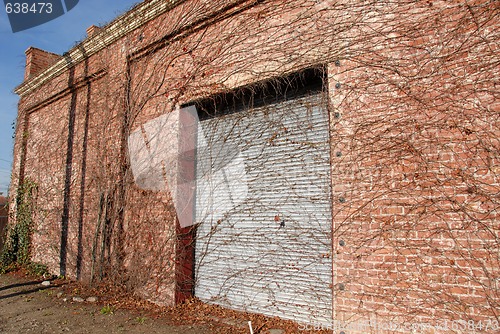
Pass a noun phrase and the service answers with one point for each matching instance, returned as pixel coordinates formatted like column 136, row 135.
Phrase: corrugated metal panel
column 252, row 166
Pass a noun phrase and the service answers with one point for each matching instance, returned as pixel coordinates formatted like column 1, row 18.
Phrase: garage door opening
column 263, row 206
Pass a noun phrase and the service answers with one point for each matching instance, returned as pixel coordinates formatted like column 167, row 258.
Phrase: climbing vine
column 414, row 128
column 17, row 249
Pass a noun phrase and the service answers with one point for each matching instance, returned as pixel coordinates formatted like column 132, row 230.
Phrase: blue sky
column 57, row 36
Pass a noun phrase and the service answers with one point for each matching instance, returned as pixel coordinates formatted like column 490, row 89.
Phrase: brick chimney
column 37, row 60
column 92, row 30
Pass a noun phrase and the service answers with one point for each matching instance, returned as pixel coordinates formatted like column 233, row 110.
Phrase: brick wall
column 38, row 60
column 414, row 144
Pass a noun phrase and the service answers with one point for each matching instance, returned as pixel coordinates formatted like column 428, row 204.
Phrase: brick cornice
column 118, row 28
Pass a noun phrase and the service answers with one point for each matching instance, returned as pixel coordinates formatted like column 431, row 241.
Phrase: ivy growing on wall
column 17, row 248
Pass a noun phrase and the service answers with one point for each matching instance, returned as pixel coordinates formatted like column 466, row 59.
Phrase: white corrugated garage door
column 263, row 203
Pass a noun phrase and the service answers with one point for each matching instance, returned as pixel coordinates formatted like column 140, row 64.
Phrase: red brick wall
column 414, row 140
column 38, row 60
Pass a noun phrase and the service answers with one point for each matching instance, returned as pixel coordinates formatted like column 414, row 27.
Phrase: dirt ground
column 27, row 306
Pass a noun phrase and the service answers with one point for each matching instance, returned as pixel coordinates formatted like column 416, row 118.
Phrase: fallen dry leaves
column 191, row 312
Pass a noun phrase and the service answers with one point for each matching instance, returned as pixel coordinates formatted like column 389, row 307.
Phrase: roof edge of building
column 107, row 35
